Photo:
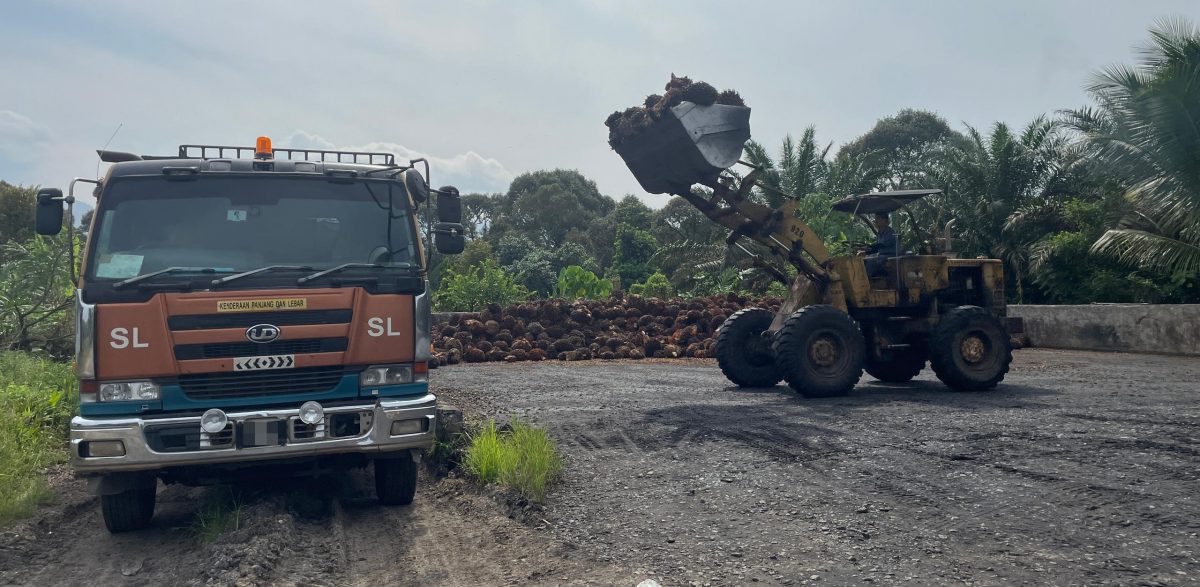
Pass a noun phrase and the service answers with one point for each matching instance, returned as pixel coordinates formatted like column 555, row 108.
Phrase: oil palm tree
column 1145, row 127
column 1003, row 192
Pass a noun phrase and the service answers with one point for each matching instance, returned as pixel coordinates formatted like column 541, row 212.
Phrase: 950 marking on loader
column 264, row 362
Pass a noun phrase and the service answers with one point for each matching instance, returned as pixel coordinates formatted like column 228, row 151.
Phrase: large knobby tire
column 820, row 351
column 969, row 349
column 128, row 510
column 900, row 367
column 743, row 354
column 395, row 480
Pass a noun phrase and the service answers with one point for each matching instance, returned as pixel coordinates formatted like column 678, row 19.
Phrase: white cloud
column 469, row 171
column 20, row 137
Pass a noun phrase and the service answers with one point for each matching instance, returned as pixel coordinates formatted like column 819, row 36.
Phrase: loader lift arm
column 784, row 234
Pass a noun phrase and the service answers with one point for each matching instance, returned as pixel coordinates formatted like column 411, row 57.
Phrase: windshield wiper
column 227, row 279
column 344, row 266
column 145, row 276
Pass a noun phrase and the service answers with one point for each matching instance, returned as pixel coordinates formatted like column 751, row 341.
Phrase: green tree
column 475, row 288
column 17, row 211
column 633, row 254
column 549, row 205
column 479, row 211
column 906, row 147
column 1004, row 193
column 598, row 237
column 35, row 294
column 655, row 286
column 1145, row 128
column 575, row 282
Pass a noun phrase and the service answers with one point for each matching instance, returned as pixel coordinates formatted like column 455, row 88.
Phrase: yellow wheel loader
column 838, row 319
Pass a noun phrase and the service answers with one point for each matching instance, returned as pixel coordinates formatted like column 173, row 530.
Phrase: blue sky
column 489, row 90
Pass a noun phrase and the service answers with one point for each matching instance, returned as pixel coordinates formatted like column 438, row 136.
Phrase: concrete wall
column 1143, row 328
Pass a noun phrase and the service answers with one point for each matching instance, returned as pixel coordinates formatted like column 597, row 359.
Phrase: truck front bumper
column 414, row 420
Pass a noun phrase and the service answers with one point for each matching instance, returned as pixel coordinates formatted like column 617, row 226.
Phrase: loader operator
column 886, row 245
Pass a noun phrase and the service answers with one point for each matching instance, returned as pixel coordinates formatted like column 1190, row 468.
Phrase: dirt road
column 1081, row 469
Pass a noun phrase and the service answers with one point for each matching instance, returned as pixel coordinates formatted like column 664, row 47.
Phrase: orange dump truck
column 252, row 311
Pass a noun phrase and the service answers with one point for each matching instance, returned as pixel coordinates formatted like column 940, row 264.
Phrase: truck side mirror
column 49, row 211
column 448, row 238
column 449, row 205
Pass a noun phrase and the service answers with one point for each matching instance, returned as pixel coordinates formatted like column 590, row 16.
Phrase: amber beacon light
column 262, row 148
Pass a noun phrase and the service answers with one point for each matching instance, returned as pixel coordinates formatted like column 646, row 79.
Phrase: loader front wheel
column 820, row 351
column 743, row 354
column 969, row 349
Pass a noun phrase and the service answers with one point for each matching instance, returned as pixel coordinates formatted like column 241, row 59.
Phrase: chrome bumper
column 140, row 457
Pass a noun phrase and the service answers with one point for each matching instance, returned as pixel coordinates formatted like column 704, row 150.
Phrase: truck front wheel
column 128, row 510
column 396, row 480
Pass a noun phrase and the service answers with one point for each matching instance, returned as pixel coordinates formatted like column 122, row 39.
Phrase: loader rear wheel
column 969, row 349
column 128, row 510
column 743, row 354
column 820, row 351
column 900, row 367
column 396, row 480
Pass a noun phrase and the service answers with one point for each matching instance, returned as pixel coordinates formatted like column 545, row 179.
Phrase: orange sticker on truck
column 262, row 304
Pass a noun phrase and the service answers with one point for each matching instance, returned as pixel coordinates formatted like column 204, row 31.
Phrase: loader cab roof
column 881, row 202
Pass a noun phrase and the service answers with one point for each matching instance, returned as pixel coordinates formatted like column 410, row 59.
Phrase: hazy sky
column 492, row 89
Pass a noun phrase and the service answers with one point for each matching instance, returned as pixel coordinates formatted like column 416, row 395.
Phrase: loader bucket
column 689, row 145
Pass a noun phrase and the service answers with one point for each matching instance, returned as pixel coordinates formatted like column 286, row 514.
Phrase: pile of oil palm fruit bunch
column 620, row 327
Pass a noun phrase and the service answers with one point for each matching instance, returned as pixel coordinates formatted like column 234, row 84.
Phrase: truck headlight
column 126, row 391
column 385, row 375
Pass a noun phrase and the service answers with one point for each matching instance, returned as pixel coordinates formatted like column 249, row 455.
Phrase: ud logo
column 262, row 333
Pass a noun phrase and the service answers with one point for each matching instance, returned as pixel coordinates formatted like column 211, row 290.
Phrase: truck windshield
column 231, row 224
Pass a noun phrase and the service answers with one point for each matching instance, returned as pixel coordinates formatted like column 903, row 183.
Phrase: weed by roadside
column 37, row 399
column 524, row 458
column 221, row 511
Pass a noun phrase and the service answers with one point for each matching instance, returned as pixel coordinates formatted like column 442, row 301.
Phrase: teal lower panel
column 396, row 390
column 174, row 399
column 119, row 408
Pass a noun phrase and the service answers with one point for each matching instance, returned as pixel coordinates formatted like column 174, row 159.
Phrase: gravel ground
column 1080, row 469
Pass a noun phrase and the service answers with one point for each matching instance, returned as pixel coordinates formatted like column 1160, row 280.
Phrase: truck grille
column 259, row 383
column 222, row 350
column 248, row 319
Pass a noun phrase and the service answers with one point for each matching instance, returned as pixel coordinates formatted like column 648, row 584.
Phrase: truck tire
column 969, row 349
column 744, row 356
column 899, row 368
column 395, row 480
column 128, row 510
column 820, row 351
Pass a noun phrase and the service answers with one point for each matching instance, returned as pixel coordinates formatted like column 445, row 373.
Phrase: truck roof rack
column 229, row 152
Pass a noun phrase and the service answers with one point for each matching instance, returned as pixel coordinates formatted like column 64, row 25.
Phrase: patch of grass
column 220, row 512
column 38, row 396
column 524, row 458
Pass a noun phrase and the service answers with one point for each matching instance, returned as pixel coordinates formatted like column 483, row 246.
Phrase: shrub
column 576, row 282
column 37, row 399
column 525, row 459
column 477, row 287
column 655, row 286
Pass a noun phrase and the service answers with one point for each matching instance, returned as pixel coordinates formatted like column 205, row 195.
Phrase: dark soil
column 1080, row 469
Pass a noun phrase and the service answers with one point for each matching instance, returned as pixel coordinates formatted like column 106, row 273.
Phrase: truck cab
column 252, row 311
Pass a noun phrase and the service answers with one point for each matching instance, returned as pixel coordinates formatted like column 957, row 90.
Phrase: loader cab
column 908, row 278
